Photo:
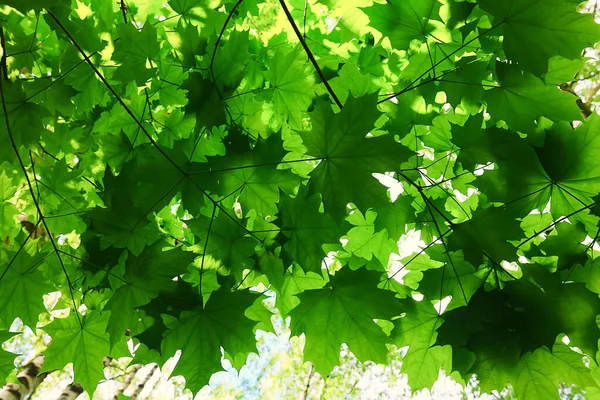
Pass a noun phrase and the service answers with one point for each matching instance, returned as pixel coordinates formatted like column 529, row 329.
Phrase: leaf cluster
column 405, row 172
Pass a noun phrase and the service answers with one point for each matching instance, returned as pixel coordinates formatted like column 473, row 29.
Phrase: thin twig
column 212, row 218
column 412, row 84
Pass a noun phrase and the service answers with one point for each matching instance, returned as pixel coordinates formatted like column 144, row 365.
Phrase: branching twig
column 418, row 78
column 141, row 126
column 35, row 201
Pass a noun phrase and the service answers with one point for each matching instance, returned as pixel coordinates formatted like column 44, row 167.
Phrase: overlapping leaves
column 407, row 175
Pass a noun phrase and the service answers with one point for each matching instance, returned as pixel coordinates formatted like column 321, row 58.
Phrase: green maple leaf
column 37, row 4
column 404, row 21
column 418, row 330
column 200, row 333
column 54, row 98
column 589, row 273
column 204, row 101
column 307, row 229
column 25, row 117
column 343, row 312
column 495, row 364
column 81, row 340
column 252, row 174
column 351, row 82
column 524, row 90
column 294, row 283
column 229, row 64
column 340, row 141
column 410, row 110
column 8, row 211
column 23, row 285
column 564, row 243
column 518, row 177
column 364, row 242
column 463, row 85
column 7, row 189
column 394, row 216
column 139, row 43
column 7, row 359
column 534, row 31
column 576, row 309
column 142, row 280
column 225, row 241
column 457, row 278
column 205, row 127
column 176, row 126
column 577, row 173
column 125, row 220
column 291, row 85
column 492, row 245
column 542, row 371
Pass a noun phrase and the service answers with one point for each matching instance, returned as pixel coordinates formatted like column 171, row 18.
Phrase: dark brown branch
column 124, row 9
column 3, row 64
column 309, row 53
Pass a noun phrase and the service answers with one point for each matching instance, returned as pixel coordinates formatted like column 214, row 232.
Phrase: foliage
column 402, row 172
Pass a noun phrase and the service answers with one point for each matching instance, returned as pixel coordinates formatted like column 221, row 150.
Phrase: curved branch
column 309, row 53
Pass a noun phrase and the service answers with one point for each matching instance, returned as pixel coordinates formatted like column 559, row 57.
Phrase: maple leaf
column 340, row 141
column 418, row 330
column 541, row 371
column 292, row 81
column 24, row 285
column 221, row 323
column 7, row 359
column 81, row 340
column 308, row 230
column 342, row 312
column 142, row 280
column 558, row 28
column 404, row 21
column 158, row 160
column 514, row 84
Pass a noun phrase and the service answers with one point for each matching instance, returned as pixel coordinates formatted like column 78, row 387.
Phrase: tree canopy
column 402, row 172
